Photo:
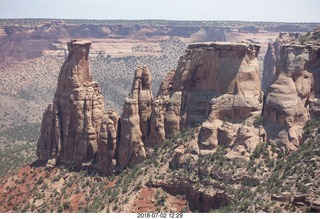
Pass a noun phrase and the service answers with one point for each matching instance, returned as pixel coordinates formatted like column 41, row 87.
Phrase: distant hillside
column 25, row 39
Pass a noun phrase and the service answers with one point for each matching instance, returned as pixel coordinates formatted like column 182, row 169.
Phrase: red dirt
column 112, row 183
column 145, row 201
column 76, row 200
column 177, row 203
column 14, row 192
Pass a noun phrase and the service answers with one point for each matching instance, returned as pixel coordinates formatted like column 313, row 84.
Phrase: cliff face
column 208, row 71
column 271, row 62
column 135, row 120
column 71, row 125
column 107, row 143
column 216, row 85
column 292, row 98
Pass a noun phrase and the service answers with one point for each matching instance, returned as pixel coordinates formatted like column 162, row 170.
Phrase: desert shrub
column 311, row 126
column 258, row 120
column 40, row 180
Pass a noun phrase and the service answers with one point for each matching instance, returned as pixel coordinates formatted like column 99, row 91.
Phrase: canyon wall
column 293, row 97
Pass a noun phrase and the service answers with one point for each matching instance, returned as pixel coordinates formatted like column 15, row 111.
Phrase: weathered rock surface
column 269, row 67
column 218, row 85
column 107, row 142
column 135, row 120
column 216, row 80
column 208, row 71
column 271, row 62
column 76, row 129
column 157, row 129
column 71, row 125
column 159, row 108
column 201, row 200
column 234, row 100
column 287, row 105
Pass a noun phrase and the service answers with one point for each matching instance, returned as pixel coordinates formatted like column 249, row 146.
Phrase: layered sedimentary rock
column 71, row 125
column 107, row 142
column 135, row 120
column 209, row 70
column 159, row 109
column 269, row 68
column 271, row 62
column 293, row 95
column 218, row 86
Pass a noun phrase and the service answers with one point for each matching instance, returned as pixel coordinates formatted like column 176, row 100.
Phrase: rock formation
column 159, row 108
column 76, row 129
column 216, row 85
column 71, row 125
column 293, row 96
column 107, row 143
column 135, row 120
column 269, row 68
column 271, row 62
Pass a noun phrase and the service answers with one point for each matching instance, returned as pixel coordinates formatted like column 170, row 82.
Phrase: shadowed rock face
column 292, row 96
column 210, row 70
column 217, row 85
column 71, row 125
column 271, row 62
column 135, row 120
column 107, row 142
column 290, row 79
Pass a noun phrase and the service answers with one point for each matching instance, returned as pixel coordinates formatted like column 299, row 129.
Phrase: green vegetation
column 120, row 70
column 258, row 120
column 310, row 36
column 14, row 158
column 28, row 132
column 312, row 126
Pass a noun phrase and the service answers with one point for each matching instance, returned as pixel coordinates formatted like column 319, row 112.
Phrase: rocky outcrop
column 271, row 62
column 135, row 120
column 157, row 129
column 159, row 109
column 208, row 71
column 269, row 67
column 107, row 143
column 218, row 86
column 45, row 141
column 202, row 200
column 293, row 98
column 71, row 125
column 76, row 129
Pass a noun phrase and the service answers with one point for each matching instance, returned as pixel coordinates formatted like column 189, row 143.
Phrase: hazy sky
column 244, row 10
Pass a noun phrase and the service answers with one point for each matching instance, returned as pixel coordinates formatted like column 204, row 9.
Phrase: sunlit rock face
column 292, row 98
column 71, row 124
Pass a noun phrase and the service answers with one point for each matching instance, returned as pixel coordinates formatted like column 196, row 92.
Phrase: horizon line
column 157, row 19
